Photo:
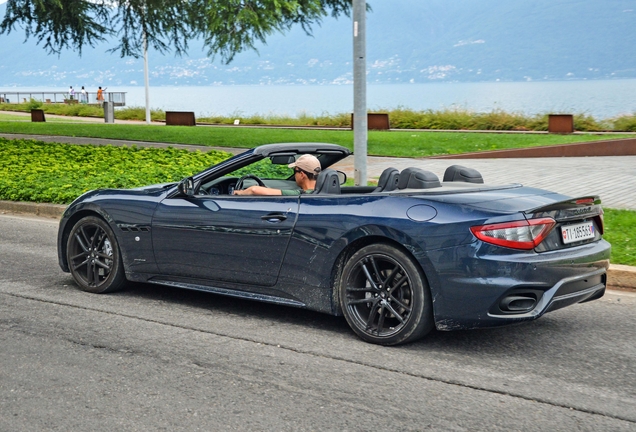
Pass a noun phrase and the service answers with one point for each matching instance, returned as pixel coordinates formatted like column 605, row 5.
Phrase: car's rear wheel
column 384, row 296
column 93, row 256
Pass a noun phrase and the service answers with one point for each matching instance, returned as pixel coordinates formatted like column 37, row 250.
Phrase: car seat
column 462, row 174
column 417, row 178
column 327, row 182
column 388, row 180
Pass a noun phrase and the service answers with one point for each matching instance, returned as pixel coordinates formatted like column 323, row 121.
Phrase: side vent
column 130, row 228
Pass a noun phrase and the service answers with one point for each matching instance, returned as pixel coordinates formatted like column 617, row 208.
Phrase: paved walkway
column 613, row 178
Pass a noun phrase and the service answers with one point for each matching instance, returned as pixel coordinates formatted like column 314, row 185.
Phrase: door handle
column 274, row 217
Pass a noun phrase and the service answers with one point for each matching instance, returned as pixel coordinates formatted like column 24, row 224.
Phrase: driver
column 306, row 169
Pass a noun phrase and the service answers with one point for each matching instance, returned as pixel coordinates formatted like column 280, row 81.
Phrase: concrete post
column 146, row 83
column 109, row 112
column 360, row 121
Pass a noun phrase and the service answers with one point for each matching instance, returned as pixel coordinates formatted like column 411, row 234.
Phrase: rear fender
column 362, row 236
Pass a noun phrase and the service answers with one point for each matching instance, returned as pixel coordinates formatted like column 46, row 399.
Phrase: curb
column 618, row 276
column 622, row 276
column 36, row 209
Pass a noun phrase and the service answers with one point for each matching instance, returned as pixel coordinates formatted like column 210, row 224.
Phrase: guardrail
column 117, row 98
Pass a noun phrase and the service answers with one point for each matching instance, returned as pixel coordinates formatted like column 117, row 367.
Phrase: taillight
column 600, row 221
column 525, row 234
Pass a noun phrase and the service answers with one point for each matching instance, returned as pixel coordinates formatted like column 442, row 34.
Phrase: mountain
column 407, row 41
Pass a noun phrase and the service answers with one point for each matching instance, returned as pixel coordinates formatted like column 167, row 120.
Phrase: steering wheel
column 239, row 183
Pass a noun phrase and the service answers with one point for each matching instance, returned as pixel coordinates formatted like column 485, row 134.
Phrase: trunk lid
column 579, row 221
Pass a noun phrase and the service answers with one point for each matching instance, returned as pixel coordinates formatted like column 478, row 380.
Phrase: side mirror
column 342, row 177
column 186, row 187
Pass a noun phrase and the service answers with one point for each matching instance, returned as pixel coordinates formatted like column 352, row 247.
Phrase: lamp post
column 359, row 93
column 146, row 78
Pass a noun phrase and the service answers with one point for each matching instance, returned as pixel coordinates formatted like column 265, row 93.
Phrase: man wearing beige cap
column 306, row 169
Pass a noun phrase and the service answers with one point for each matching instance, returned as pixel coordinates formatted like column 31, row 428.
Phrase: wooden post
column 561, row 123
column 180, row 118
column 37, row 115
column 375, row 121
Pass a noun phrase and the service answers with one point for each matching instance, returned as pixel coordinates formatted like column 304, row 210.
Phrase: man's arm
column 258, row 190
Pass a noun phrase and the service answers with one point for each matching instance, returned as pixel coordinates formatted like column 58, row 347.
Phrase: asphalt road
column 162, row 359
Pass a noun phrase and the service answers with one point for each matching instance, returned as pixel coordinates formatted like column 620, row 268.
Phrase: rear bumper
column 494, row 287
column 566, row 292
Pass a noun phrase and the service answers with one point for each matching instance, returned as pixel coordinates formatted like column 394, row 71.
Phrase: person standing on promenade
column 100, row 95
column 84, row 96
column 71, row 93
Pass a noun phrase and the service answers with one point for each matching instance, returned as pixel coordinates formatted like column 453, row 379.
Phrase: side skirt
column 230, row 292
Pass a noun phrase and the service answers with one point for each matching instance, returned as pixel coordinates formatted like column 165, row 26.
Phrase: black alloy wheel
column 93, row 256
column 384, row 296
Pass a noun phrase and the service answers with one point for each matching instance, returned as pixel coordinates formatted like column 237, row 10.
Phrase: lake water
column 601, row 99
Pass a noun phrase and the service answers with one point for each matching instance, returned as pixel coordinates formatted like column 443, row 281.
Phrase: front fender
column 130, row 218
column 72, row 214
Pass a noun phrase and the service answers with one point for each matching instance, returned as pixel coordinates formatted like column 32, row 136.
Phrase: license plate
column 578, row 232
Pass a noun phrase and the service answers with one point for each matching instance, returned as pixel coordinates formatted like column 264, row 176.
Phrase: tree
column 227, row 26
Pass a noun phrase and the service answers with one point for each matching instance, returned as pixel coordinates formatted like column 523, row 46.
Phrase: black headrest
column 327, row 182
column 417, row 178
column 461, row 173
column 388, row 180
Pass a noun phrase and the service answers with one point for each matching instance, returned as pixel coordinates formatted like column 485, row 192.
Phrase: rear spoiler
column 574, row 208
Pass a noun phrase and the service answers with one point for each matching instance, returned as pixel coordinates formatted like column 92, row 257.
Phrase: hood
column 155, row 187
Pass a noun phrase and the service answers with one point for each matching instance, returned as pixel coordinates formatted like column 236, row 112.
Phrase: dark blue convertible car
column 396, row 259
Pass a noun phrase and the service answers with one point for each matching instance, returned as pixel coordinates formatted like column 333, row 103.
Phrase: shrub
column 34, row 104
column 139, row 113
column 58, row 173
column 587, row 123
column 625, row 123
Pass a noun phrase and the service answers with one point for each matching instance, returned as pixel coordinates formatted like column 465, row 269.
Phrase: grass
column 27, row 119
column 394, row 143
column 74, row 110
column 620, row 231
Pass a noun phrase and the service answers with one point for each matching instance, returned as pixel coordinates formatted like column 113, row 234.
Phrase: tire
column 385, row 297
column 93, row 256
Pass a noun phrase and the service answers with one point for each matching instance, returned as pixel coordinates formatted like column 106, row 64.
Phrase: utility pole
column 146, row 78
column 360, row 125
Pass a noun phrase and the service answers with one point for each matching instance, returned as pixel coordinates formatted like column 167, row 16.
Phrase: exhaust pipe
column 517, row 304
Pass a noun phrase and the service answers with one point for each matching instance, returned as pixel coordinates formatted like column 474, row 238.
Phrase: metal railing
column 117, row 98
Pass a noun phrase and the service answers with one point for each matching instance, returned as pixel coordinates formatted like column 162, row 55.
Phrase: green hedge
column 58, row 173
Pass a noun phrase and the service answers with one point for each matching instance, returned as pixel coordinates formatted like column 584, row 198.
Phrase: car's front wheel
column 93, row 256
column 384, row 296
